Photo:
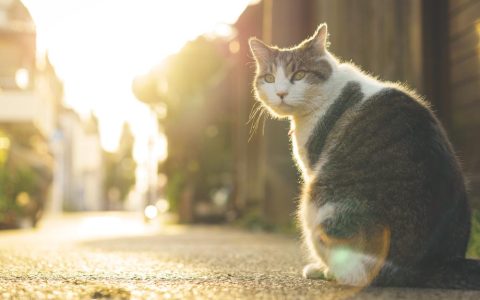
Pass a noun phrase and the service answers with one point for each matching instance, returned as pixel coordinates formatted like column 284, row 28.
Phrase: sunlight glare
column 162, row 206
column 22, row 78
column 109, row 225
column 98, row 47
column 151, row 212
column 477, row 28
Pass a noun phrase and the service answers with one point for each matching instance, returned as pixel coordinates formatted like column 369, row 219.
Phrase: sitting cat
column 384, row 200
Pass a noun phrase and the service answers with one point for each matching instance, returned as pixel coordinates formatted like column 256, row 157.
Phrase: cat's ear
column 261, row 51
column 319, row 40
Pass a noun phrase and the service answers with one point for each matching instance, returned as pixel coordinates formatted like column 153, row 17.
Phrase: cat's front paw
column 316, row 271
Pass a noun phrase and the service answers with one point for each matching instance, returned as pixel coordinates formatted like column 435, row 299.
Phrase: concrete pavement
column 117, row 256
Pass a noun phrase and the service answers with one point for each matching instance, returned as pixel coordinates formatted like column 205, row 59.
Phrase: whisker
column 254, row 126
column 264, row 121
column 257, row 122
column 255, row 116
column 255, row 109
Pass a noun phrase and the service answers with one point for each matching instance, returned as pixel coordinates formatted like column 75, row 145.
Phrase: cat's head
column 290, row 81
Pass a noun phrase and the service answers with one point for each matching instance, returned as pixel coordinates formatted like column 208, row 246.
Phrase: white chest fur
column 303, row 128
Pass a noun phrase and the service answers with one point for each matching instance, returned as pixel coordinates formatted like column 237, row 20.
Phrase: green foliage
column 174, row 188
column 474, row 244
column 193, row 67
column 196, row 125
column 24, row 180
column 25, row 176
column 13, row 182
column 120, row 168
column 119, row 174
column 254, row 220
column 6, row 203
column 182, row 77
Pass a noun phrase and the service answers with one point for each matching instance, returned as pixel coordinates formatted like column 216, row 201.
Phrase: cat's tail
column 459, row 273
column 456, row 274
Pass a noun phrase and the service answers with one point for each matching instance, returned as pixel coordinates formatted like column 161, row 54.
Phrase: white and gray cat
column 384, row 200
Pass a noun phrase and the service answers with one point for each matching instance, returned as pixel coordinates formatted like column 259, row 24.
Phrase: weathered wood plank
column 465, row 94
column 456, row 6
column 465, row 70
column 435, row 44
column 467, row 108
column 467, row 117
column 414, row 59
column 465, row 19
column 464, row 46
column 381, row 36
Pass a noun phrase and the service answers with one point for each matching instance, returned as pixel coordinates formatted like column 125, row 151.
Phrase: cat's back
column 382, row 142
column 388, row 158
column 390, row 132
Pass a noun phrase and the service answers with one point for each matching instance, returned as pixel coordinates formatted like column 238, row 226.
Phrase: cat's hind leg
column 353, row 256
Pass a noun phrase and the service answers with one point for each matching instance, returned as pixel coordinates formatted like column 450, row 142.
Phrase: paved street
column 117, row 256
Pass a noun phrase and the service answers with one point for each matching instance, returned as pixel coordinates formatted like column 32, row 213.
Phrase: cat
column 384, row 200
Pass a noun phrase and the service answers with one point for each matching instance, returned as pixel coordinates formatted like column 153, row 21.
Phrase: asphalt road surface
column 117, row 256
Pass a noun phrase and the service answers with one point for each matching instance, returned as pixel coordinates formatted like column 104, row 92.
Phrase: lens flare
column 22, row 78
column 151, row 212
column 356, row 260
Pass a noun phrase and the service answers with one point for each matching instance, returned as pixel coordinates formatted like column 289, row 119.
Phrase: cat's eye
column 269, row 78
column 299, row 75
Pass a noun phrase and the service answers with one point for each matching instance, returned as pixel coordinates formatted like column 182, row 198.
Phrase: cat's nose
column 282, row 94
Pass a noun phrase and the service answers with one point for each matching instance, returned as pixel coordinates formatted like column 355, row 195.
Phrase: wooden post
column 261, row 185
column 436, row 57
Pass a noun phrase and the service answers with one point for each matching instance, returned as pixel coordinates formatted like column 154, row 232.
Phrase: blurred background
column 145, row 105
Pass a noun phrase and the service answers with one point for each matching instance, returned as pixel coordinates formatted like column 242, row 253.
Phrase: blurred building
column 30, row 92
column 51, row 153
column 79, row 164
column 30, row 96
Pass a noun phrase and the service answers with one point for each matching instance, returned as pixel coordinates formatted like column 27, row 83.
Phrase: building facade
column 50, row 158
column 30, row 95
column 79, row 164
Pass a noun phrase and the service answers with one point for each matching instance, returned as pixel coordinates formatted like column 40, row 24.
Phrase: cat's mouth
column 279, row 108
column 283, row 108
column 284, row 105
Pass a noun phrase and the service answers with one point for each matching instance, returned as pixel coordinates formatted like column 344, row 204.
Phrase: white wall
column 82, row 164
